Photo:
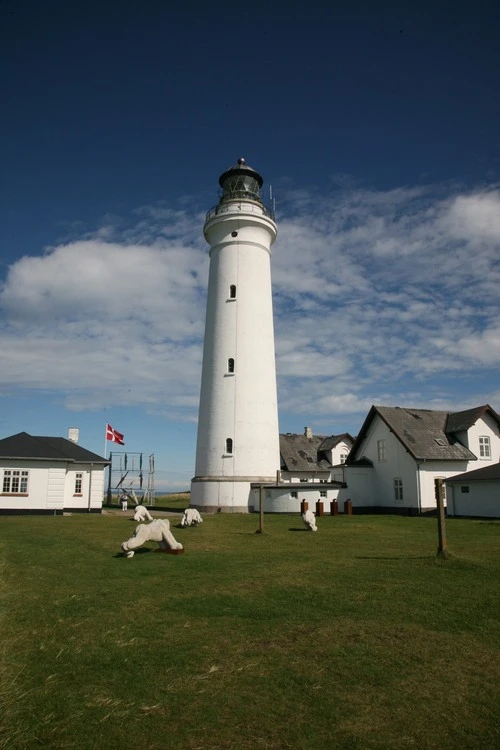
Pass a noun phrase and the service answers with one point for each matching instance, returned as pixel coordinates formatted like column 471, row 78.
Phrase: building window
column 303, row 480
column 382, row 450
column 230, row 365
column 232, row 291
column 464, row 489
column 78, row 484
column 343, row 457
column 15, row 482
column 294, row 494
column 229, row 445
column 322, row 493
column 484, row 447
column 398, row 490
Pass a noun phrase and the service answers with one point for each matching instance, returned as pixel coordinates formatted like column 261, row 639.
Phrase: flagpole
column 105, row 439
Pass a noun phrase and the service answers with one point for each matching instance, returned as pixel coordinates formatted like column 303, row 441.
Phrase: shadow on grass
column 294, row 529
column 392, row 557
column 139, row 551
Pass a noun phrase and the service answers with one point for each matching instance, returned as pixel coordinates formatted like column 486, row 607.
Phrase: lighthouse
column 238, row 434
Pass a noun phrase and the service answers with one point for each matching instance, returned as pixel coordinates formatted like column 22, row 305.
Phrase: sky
column 377, row 126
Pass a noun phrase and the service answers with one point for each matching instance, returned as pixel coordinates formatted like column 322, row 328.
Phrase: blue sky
column 378, row 126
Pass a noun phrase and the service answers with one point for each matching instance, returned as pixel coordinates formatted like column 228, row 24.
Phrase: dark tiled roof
column 27, row 446
column 461, row 420
column 486, row 473
column 421, row 431
column 300, row 453
column 363, row 461
column 333, row 440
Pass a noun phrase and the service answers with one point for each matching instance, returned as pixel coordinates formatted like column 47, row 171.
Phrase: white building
column 399, row 453
column 237, row 442
column 49, row 475
column 475, row 493
column 312, row 472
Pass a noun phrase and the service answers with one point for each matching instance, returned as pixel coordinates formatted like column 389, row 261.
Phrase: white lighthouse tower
column 238, row 434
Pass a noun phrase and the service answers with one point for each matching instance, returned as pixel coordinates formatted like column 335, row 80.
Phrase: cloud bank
column 380, row 297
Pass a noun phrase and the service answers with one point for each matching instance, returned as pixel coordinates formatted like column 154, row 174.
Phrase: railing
column 245, row 206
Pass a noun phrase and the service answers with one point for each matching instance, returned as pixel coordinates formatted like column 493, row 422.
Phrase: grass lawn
column 352, row 637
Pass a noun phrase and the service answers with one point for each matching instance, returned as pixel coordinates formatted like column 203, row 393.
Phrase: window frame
column 15, row 482
column 484, row 447
column 398, row 490
column 382, row 450
column 78, row 483
column 229, row 448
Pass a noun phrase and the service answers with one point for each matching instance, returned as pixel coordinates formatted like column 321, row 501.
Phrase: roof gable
column 301, row 453
column 28, row 446
column 422, row 432
column 459, row 421
column 333, row 440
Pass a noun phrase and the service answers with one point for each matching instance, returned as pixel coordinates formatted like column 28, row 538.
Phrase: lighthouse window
column 230, row 365
column 229, row 445
column 234, row 234
column 232, row 291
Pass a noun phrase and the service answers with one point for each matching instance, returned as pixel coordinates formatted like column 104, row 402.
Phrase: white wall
column 280, row 500
column 51, row 487
column 375, row 486
column 486, row 426
column 482, row 500
column 241, row 406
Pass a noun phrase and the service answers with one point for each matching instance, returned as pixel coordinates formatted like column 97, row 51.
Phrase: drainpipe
column 419, row 495
column 90, row 485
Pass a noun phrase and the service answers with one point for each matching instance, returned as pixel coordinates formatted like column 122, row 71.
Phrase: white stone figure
column 156, row 531
column 142, row 514
column 191, row 517
column 309, row 520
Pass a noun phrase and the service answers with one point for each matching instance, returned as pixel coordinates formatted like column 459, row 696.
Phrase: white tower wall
column 240, row 405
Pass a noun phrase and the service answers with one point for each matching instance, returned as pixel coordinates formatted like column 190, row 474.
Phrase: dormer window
column 232, row 291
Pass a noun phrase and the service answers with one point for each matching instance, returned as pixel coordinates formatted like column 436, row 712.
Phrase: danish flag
column 114, row 435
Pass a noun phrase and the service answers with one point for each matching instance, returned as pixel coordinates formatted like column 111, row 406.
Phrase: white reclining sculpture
column 309, row 520
column 156, row 531
column 191, row 517
column 142, row 514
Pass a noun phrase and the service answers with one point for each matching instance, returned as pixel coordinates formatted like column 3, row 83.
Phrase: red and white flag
column 114, row 435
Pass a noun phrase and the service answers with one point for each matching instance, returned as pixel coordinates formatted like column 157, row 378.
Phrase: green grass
column 355, row 637
column 174, row 502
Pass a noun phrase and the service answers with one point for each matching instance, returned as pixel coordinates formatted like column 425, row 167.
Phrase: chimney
column 73, row 434
column 308, row 433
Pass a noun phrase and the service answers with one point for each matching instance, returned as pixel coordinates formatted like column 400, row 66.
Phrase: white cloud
column 379, row 297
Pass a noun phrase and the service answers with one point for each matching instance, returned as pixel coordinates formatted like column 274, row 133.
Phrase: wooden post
column 319, row 508
column 348, row 508
column 261, row 510
column 303, row 506
column 439, row 492
column 334, row 508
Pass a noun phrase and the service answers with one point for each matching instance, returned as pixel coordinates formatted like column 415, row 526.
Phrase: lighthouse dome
column 240, row 182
